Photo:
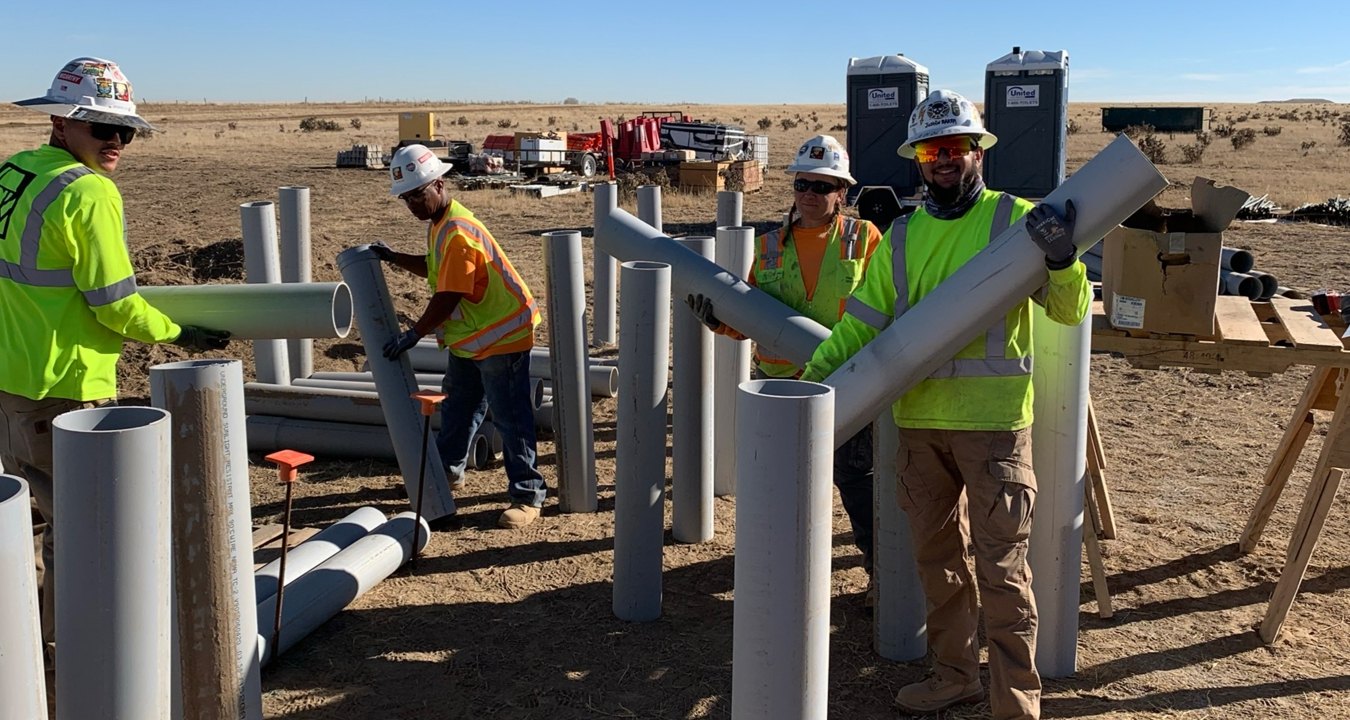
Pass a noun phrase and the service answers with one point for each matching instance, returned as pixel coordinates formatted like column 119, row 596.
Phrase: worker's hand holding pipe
column 1053, row 234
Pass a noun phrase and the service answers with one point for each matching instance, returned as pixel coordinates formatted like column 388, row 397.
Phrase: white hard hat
column 412, row 167
column 93, row 90
column 944, row 113
column 822, row 155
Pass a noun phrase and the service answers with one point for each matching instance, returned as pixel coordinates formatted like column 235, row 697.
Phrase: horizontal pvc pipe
column 480, row 451
column 357, row 385
column 324, row 591
column 23, row 681
column 258, row 312
column 316, row 550
column 321, row 439
column 1269, row 284
column 543, row 415
column 603, row 382
column 1236, row 260
column 1106, row 190
column 310, row 403
column 365, row 376
column 293, row 201
column 1242, row 284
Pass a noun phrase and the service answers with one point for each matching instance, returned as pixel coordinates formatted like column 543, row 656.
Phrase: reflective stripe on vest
column 515, row 321
column 994, row 363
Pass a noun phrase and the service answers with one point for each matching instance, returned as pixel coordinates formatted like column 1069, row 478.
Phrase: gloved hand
column 200, row 339
column 401, row 344
column 1053, row 234
column 382, row 251
column 703, row 310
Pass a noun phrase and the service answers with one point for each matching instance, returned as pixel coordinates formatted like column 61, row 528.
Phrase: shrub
column 1271, row 130
column 232, row 125
column 1204, row 138
column 355, row 123
column 1242, row 138
column 764, row 123
column 552, row 120
column 1134, row 132
column 1224, row 130
column 1153, row 148
column 310, row 124
column 463, row 120
column 504, row 123
column 1191, row 154
column 1345, row 134
column 1307, row 145
column 571, row 101
column 841, row 127
column 484, row 121
column 788, row 123
column 1073, row 127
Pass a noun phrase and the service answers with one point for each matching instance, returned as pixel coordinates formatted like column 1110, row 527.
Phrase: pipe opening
column 12, row 487
column 192, row 364
column 785, row 388
column 256, row 204
column 110, row 419
column 343, row 310
column 646, row 265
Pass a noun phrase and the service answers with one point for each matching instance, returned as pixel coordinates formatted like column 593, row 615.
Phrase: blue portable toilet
column 1026, row 104
column 882, row 92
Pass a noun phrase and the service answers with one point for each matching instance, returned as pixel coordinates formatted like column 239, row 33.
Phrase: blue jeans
column 853, row 477
column 501, row 382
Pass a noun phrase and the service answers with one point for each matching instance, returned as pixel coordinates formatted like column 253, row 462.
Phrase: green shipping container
column 1163, row 119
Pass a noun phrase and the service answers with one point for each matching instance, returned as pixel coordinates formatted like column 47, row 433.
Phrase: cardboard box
column 707, row 176
column 1160, row 269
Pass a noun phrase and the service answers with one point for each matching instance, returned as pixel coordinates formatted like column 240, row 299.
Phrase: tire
column 587, row 165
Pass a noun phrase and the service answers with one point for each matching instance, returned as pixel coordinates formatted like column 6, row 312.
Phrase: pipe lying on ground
column 23, row 681
column 257, row 312
column 258, row 225
column 480, row 451
column 356, row 385
column 900, row 628
column 1270, row 285
column 602, row 381
column 603, row 374
column 574, row 434
column 316, row 550
column 295, row 265
column 1236, row 260
column 543, row 415
column 735, row 250
column 1242, row 284
column 310, row 403
column 605, row 271
column 691, row 482
column 320, row 438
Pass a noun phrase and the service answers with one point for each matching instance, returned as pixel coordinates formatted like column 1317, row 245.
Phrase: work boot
column 518, row 516
column 934, row 694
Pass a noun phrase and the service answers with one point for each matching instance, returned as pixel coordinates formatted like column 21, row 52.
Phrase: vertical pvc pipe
column 394, row 380
column 731, row 361
column 1059, row 450
column 640, row 455
column 23, row 681
column 574, row 436
column 606, row 272
column 214, row 600
column 111, row 477
column 781, row 618
column 295, row 265
column 261, row 265
column 315, row 551
column 649, row 206
column 691, row 491
column 729, row 203
column 900, row 628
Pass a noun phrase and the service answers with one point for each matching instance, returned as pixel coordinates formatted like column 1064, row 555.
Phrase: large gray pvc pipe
column 1105, row 191
column 295, row 264
column 315, row 551
column 111, row 477
column 604, row 314
column 1242, row 284
column 731, row 360
column 258, row 223
column 780, row 647
column 268, row 433
column 324, row 591
column 574, row 435
column 1059, row 449
column 360, row 385
column 640, row 453
column 649, row 206
column 604, row 374
column 23, row 681
column 1236, row 260
column 691, row 482
column 1269, row 284
column 212, row 514
column 378, row 322
column 602, row 381
column 899, row 626
column 729, row 204
column 258, row 312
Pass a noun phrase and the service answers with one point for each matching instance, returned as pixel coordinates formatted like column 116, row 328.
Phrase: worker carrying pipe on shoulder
column 481, row 311
column 965, row 471
column 813, row 263
column 68, row 296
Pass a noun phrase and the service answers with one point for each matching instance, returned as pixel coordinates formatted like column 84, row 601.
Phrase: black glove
column 703, row 310
column 200, row 339
column 382, row 251
column 1053, row 234
column 401, row 344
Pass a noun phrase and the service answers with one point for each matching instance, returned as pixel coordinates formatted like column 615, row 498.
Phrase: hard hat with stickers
column 413, row 166
column 823, row 155
column 941, row 114
column 93, row 90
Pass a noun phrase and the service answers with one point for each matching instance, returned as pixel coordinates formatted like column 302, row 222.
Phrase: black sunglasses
column 819, row 187
column 106, row 132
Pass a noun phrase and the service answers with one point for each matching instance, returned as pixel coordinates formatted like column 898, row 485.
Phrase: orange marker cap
column 287, row 461
column 429, row 400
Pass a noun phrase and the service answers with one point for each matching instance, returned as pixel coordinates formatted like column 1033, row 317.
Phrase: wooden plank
column 1305, row 326
column 1237, row 322
column 1311, row 519
column 1096, row 464
column 272, row 550
column 266, row 534
column 1095, row 564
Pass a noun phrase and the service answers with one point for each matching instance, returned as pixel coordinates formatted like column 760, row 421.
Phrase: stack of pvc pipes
column 1237, row 275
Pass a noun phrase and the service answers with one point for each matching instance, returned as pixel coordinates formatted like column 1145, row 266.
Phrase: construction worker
column 812, row 263
column 480, row 310
column 68, row 295
column 965, row 459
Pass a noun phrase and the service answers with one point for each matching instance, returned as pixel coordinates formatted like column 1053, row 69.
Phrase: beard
column 948, row 196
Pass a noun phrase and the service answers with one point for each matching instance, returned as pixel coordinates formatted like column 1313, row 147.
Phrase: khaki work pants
column 961, row 487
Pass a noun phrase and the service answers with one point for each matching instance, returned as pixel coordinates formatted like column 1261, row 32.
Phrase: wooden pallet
column 267, row 542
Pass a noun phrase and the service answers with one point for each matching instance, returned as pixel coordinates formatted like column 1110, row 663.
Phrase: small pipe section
column 23, row 681
column 316, row 550
column 480, row 451
column 729, row 204
column 1242, row 284
column 1236, row 260
column 1270, row 285
column 605, row 271
column 258, row 223
column 574, row 435
column 731, row 360
column 258, row 312
column 649, row 206
column 295, row 264
column 691, row 483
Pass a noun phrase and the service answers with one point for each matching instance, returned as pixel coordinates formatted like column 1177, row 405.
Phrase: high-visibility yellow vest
column 504, row 315
column 67, row 290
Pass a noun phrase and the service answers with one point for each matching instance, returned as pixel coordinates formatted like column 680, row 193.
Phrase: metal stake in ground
column 428, row 401
column 287, row 461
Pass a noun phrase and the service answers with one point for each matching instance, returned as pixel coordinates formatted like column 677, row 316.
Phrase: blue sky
column 672, row 51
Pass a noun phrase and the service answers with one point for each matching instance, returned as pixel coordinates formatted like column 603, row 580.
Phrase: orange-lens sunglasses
column 956, row 146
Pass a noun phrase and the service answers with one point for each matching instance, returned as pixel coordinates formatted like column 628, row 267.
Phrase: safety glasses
column 956, row 146
column 417, row 193
column 819, row 187
column 106, row 132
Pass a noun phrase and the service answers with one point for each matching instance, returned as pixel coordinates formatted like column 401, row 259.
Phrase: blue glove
column 1053, row 234
column 401, row 344
column 382, row 251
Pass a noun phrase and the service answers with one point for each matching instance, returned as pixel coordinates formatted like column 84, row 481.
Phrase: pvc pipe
column 324, row 591
column 1105, row 191
column 258, row 224
column 480, row 452
column 378, row 322
column 310, row 403
column 574, row 433
column 781, row 617
column 1269, row 284
column 605, row 271
column 322, row 439
column 365, row 376
column 604, row 374
column 356, row 386
column 259, row 312
column 691, row 482
column 295, row 264
column 780, row 329
column 543, row 415
column 731, row 361
column 649, row 206
column 729, row 204
column 1059, row 449
column 212, row 513
column 602, row 381
column 1093, row 263
column 23, row 681
column 1236, row 283
column 1236, row 260
column 640, row 452
column 316, row 550
column 899, row 627
column 111, row 481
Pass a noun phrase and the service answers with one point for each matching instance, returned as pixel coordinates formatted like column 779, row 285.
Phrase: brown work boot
column 934, row 694
column 518, row 516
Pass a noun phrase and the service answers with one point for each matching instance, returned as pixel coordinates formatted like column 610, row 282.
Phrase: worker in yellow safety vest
column 68, row 295
column 483, row 313
column 813, row 263
column 965, row 461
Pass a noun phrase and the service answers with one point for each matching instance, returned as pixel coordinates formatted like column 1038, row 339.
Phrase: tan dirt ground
column 502, row 624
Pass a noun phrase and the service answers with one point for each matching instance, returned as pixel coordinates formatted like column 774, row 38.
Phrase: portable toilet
column 882, row 92
column 1026, row 105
